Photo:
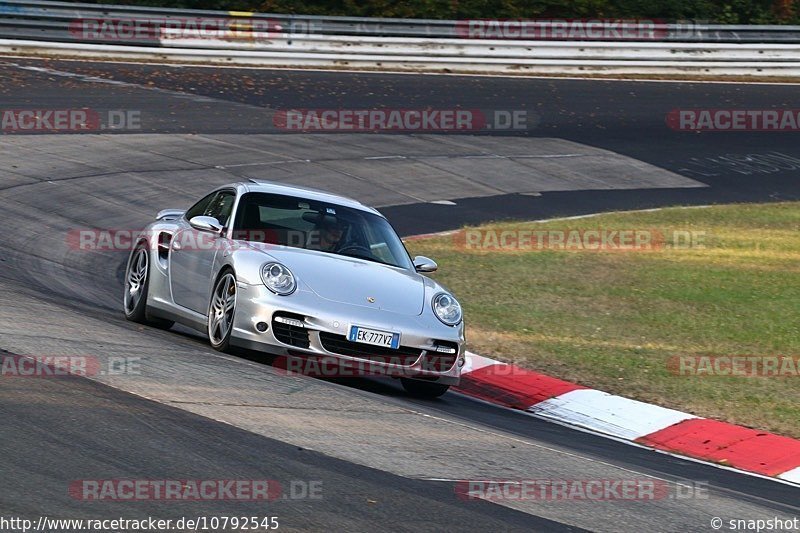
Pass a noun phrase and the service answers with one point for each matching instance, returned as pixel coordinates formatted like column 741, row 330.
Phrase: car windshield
column 316, row 225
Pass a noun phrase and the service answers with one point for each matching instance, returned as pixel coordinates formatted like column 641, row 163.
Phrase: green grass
column 612, row 320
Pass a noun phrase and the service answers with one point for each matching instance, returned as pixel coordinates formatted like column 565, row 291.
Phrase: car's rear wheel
column 423, row 389
column 221, row 311
column 137, row 285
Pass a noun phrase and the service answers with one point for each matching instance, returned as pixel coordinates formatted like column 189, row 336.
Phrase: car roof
column 309, row 193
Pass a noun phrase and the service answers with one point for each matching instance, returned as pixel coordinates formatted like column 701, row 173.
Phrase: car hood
column 355, row 281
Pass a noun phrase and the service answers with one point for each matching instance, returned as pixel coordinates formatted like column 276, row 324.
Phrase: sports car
column 300, row 273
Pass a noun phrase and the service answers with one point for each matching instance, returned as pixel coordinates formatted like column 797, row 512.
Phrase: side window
column 221, row 206
column 199, row 208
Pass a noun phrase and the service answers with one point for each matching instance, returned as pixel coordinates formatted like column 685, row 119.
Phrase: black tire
column 423, row 389
column 137, row 287
column 219, row 324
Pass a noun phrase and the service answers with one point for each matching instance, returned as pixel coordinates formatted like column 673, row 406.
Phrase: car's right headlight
column 278, row 279
column 447, row 309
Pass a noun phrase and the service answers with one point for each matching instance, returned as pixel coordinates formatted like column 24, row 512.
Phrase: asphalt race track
column 384, row 461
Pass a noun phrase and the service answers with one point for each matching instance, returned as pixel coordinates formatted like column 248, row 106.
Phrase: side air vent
column 164, row 241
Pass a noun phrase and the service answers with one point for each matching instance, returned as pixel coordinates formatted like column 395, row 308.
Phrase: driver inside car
column 329, row 234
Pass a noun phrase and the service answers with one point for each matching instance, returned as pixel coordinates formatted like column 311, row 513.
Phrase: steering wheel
column 359, row 249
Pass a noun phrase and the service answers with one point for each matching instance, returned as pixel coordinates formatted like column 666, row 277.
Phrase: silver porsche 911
column 300, row 273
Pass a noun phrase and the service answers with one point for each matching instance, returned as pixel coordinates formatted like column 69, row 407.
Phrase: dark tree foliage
column 720, row 11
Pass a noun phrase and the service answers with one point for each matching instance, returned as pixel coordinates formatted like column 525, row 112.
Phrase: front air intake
column 442, row 358
column 290, row 329
column 339, row 344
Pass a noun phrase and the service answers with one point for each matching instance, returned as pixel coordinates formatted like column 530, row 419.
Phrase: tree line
column 711, row 11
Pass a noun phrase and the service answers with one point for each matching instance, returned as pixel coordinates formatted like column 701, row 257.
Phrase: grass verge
column 617, row 320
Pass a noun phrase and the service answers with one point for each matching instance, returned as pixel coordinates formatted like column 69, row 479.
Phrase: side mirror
column 209, row 224
column 425, row 264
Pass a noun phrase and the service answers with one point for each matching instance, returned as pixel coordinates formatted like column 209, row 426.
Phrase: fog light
column 262, row 327
column 461, row 362
column 290, row 321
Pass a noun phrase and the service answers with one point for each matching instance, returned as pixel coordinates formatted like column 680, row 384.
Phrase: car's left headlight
column 447, row 309
column 278, row 279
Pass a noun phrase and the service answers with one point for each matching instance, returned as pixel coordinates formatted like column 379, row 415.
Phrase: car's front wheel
column 423, row 389
column 137, row 285
column 221, row 311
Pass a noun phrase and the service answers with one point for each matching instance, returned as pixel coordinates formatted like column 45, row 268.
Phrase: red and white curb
column 645, row 424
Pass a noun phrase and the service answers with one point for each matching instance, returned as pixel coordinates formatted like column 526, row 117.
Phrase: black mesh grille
column 288, row 334
column 441, row 362
column 339, row 344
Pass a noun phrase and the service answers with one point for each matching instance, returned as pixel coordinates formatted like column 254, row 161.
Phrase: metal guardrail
column 46, row 20
column 55, row 28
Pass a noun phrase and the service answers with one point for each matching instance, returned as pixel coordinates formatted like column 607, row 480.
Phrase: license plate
column 375, row 337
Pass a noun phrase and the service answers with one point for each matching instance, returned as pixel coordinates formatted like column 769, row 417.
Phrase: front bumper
column 256, row 305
